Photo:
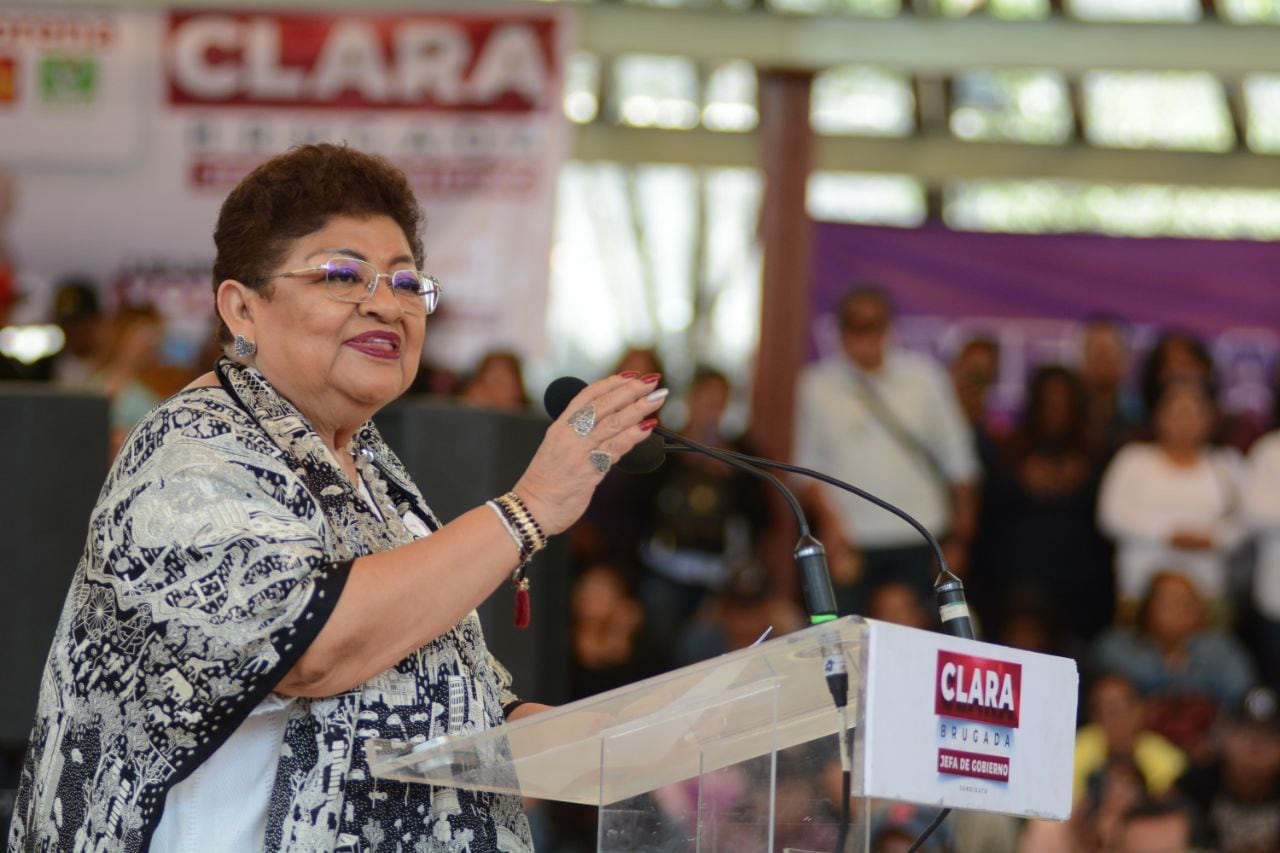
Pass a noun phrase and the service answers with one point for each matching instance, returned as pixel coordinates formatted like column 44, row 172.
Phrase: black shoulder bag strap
column 884, row 415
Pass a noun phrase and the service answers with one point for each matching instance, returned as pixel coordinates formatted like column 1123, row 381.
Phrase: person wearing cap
column 1238, row 793
column 76, row 312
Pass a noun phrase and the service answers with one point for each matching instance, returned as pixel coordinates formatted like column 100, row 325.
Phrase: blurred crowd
column 1120, row 518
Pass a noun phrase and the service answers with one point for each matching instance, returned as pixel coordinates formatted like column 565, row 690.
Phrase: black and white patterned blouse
column 219, row 545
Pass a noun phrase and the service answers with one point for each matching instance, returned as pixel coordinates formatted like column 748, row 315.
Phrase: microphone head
column 646, row 456
column 559, row 394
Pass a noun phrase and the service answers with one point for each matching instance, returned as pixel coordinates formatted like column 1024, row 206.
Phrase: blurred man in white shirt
column 886, row 420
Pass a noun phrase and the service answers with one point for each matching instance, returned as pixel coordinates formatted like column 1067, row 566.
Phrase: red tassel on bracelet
column 522, row 603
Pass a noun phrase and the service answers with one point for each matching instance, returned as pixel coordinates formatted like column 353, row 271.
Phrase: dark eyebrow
column 359, row 256
column 339, row 250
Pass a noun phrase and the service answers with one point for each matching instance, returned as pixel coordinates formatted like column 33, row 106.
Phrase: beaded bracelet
column 529, row 539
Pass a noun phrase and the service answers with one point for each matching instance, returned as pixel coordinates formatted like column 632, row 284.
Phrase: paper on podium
column 637, row 738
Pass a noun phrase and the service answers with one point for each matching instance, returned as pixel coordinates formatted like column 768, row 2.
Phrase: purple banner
column 1031, row 292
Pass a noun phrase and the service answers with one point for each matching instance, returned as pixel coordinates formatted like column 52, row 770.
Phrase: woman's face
column 319, row 352
column 1183, row 418
column 1175, row 610
column 1180, row 361
column 497, row 384
column 1056, row 407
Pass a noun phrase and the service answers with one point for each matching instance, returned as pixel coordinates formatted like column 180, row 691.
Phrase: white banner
column 123, row 132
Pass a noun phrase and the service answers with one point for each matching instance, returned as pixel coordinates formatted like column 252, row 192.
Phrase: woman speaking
column 264, row 588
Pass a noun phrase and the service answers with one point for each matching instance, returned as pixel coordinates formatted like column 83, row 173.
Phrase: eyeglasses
column 351, row 280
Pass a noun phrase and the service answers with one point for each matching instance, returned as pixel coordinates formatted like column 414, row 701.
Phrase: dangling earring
column 244, row 347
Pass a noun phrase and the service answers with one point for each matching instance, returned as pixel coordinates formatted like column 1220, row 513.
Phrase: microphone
column 947, row 589
column 809, row 554
column 953, row 608
column 645, row 457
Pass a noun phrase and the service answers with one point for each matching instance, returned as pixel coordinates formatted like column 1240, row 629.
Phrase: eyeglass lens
column 351, row 280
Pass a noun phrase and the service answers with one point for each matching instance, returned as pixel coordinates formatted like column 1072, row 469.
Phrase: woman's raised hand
column 608, row 417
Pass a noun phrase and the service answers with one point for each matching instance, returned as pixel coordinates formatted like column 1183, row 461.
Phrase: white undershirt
column 222, row 805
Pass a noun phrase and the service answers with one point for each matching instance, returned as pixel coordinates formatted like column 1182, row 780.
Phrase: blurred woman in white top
column 1262, row 508
column 1174, row 503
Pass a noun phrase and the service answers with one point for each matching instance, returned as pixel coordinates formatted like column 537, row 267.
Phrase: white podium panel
column 966, row 724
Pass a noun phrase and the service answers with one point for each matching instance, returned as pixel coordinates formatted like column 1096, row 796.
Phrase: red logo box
column 978, row 689
column 476, row 63
column 973, row 765
column 8, row 80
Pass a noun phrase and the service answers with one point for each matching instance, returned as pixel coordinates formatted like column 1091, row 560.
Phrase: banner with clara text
column 122, row 131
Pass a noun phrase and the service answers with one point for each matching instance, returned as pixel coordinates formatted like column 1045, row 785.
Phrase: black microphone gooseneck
column 810, row 556
column 953, row 608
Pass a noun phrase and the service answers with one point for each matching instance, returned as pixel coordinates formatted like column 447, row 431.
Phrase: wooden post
column 786, row 152
column 786, row 148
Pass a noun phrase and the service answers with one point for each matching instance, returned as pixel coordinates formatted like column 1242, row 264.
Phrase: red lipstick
column 383, row 345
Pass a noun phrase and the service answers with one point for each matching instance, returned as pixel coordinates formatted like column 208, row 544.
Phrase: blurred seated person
column 76, row 312
column 639, row 360
column 1174, row 503
column 607, row 630
column 1113, row 412
column 135, row 336
column 703, row 518
column 895, row 825
column 1177, row 355
column 1038, row 532
column 1032, row 626
column 898, row 604
column 1111, row 792
column 974, row 372
column 616, row 521
column 14, row 365
column 1117, row 730
column 736, row 617
column 1262, row 511
column 1165, row 825
column 1238, row 793
column 1184, row 668
column 497, row 383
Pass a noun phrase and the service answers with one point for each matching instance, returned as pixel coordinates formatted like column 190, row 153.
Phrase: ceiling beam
column 937, row 158
column 907, row 42
column 929, row 45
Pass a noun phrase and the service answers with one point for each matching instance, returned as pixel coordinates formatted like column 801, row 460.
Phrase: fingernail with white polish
column 658, row 395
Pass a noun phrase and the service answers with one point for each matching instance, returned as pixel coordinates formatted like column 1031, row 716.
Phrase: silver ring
column 600, row 460
column 583, row 420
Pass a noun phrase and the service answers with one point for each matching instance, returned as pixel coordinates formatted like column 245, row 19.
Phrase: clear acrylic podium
column 736, row 753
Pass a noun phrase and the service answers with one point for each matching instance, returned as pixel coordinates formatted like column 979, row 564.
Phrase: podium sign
column 966, row 724
column 729, row 753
